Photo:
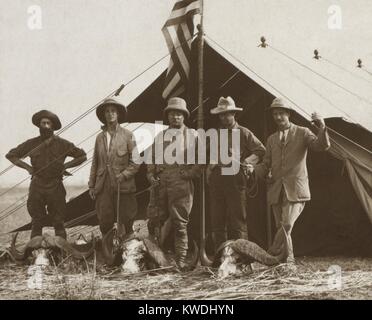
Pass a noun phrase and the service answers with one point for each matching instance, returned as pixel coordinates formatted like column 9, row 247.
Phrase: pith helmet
column 177, row 104
column 122, row 111
column 280, row 103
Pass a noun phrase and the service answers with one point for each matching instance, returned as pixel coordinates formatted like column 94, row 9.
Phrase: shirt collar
column 234, row 126
column 286, row 129
column 104, row 127
column 49, row 140
column 183, row 127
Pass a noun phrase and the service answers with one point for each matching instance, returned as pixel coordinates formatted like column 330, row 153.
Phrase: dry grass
column 309, row 281
column 70, row 280
column 85, row 280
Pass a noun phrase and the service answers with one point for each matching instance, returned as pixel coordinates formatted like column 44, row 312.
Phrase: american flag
column 178, row 32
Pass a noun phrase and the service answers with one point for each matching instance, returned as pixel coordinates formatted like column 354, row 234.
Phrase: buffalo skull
column 139, row 251
column 234, row 255
column 41, row 248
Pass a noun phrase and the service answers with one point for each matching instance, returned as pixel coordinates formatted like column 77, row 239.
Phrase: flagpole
column 200, row 124
column 200, row 27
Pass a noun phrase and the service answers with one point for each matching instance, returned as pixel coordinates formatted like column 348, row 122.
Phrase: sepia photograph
column 199, row 151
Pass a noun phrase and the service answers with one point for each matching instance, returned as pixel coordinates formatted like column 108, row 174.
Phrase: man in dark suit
column 285, row 166
column 228, row 198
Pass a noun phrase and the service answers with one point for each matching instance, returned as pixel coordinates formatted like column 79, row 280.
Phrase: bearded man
column 48, row 153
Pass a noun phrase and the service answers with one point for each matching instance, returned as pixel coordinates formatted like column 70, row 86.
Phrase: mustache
column 46, row 132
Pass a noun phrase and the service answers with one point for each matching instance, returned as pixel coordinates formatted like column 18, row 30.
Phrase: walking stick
column 157, row 215
column 120, row 229
column 200, row 117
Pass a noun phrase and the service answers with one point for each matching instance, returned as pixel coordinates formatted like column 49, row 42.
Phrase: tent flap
column 358, row 162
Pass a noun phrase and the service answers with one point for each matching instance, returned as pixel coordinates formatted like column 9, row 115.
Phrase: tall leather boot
column 181, row 247
column 60, row 231
column 36, row 229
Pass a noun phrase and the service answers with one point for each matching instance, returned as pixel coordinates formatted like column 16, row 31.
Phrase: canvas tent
column 338, row 218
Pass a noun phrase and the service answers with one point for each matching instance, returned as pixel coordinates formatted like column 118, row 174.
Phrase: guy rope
column 115, row 92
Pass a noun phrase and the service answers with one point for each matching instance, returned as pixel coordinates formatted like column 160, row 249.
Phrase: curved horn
column 155, row 252
column 64, row 245
column 107, row 244
column 254, row 251
column 17, row 256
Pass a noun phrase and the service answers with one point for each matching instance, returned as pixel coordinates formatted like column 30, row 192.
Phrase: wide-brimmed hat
column 225, row 105
column 36, row 118
column 122, row 111
column 177, row 104
column 280, row 103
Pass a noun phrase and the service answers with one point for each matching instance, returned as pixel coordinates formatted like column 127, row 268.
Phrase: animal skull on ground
column 139, row 251
column 229, row 262
column 42, row 247
column 234, row 256
column 133, row 256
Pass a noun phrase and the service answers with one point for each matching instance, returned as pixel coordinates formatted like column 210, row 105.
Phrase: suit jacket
column 287, row 163
column 118, row 161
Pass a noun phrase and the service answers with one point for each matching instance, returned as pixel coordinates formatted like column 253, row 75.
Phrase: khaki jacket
column 287, row 163
column 118, row 161
column 157, row 165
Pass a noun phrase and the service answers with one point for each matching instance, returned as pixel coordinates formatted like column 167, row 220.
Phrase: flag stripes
column 178, row 32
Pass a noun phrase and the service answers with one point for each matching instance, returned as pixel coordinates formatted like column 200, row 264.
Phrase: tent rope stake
column 284, row 95
column 317, row 57
column 366, row 100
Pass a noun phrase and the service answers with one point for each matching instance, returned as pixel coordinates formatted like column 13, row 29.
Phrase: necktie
column 109, row 141
column 282, row 140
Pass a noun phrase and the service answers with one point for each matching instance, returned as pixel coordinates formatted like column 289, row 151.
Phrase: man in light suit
column 285, row 166
column 112, row 168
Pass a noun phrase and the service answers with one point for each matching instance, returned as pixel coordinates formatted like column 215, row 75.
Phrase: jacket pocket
column 122, row 151
column 302, row 187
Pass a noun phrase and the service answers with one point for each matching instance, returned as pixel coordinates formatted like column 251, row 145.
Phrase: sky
column 87, row 48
